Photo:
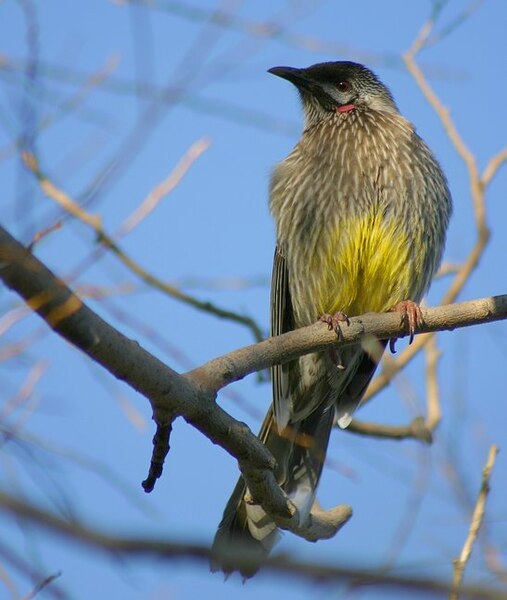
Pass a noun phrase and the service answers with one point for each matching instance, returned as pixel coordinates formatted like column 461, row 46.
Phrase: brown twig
column 447, row 268
column 493, row 166
column 416, row 430
column 59, row 196
column 151, row 201
column 43, row 233
column 475, row 524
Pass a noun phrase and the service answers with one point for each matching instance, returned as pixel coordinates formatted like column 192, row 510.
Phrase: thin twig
column 59, row 196
column 442, row 112
column 475, row 524
column 493, row 166
column 41, row 585
column 151, row 201
column 21, row 564
column 447, row 268
column 43, row 233
column 416, row 430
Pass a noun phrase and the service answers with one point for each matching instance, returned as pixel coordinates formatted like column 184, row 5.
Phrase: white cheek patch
column 331, row 91
column 377, row 103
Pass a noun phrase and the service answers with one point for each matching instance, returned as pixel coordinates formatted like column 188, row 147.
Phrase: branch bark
column 193, row 395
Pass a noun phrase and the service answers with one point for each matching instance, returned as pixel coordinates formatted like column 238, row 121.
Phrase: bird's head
column 337, row 88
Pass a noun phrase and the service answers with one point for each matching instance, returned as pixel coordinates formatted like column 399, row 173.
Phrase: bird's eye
column 343, row 86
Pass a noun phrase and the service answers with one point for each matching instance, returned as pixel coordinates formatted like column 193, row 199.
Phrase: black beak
column 296, row 76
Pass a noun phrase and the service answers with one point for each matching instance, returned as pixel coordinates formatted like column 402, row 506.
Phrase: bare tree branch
column 193, row 395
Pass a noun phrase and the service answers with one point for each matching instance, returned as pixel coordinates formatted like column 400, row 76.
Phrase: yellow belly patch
column 365, row 268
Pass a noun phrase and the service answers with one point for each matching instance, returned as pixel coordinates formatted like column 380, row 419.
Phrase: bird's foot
column 333, row 323
column 411, row 317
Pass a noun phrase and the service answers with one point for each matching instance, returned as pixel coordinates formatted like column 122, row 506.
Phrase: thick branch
column 193, row 395
column 169, row 393
column 233, row 366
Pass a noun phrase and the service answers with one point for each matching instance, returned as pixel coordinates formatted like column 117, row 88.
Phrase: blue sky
column 214, row 236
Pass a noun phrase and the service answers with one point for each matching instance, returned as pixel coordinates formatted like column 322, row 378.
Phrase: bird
column 361, row 208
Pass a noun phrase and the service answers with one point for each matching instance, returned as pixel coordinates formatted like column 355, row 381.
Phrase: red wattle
column 345, row 108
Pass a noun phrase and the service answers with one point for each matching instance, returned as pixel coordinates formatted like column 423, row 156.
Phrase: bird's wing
column 301, row 385
column 282, row 321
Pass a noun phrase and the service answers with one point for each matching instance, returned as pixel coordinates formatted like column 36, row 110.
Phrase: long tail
column 246, row 533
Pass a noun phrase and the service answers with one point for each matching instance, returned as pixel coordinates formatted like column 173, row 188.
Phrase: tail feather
column 234, row 547
column 246, row 533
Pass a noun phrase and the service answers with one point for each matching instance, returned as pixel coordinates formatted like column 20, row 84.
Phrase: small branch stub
column 160, row 450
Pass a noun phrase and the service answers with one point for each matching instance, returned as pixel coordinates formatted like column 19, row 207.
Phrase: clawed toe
column 333, row 321
column 411, row 317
